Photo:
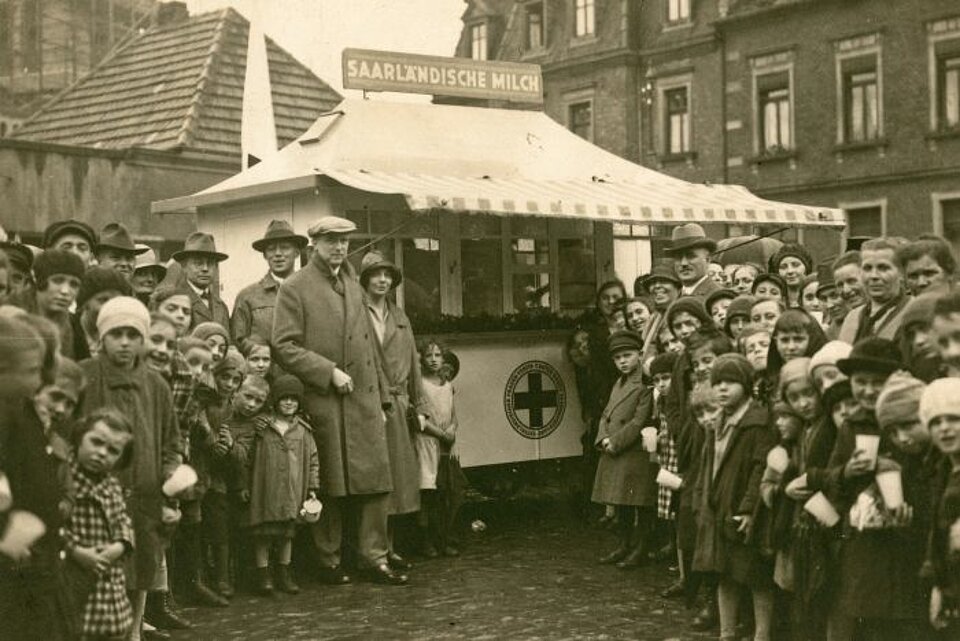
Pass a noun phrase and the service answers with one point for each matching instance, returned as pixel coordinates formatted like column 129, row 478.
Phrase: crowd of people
column 155, row 445
column 788, row 432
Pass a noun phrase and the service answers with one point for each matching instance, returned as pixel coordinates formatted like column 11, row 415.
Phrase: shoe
column 384, row 575
column 707, row 618
column 451, row 551
column 677, row 589
column 397, row 562
column 203, row 595
column 154, row 635
column 161, row 613
column 264, row 582
column 430, row 551
column 333, row 576
column 225, row 589
column 636, row 558
column 617, row 555
column 285, row 581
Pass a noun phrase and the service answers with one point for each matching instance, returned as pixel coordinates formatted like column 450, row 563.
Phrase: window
column 30, row 35
column 481, row 257
column 677, row 120
column 946, row 218
column 478, row 41
column 775, row 126
column 421, row 278
column 859, row 89
column 948, row 84
column 580, row 119
column 865, row 221
column 584, row 18
column 678, row 10
column 535, row 30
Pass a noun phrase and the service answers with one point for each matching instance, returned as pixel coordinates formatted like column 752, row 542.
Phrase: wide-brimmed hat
column 279, row 230
column 690, row 236
column 116, row 236
column 873, row 355
column 18, row 254
column 825, row 278
column 71, row 226
column 663, row 270
column 148, row 260
column 373, row 261
column 199, row 243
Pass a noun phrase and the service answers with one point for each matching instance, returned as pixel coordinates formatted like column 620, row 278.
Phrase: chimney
column 171, row 12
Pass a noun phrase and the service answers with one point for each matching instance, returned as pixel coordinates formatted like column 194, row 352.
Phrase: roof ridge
column 186, row 130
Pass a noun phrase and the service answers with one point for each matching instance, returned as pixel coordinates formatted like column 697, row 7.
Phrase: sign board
column 410, row 73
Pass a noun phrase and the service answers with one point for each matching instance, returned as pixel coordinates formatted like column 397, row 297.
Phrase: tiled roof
column 180, row 86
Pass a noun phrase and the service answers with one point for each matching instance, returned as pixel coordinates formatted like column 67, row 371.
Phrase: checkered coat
column 100, row 518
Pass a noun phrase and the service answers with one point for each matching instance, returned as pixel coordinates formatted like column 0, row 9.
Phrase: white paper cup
column 778, row 459
column 649, row 436
column 23, row 530
column 6, row 494
column 870, row 444
column 668, row 479
column 822, row 509
column 310, row 511
column 891, row 488
column 182, row 479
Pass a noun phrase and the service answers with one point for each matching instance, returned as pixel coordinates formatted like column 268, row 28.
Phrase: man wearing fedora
column 116, row 249
column 253, row 309
column 691, row 250
column 73, row 236
column 323, row 336
column 664, row 288
column 199, row 259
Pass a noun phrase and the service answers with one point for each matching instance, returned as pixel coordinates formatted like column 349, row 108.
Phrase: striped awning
column 598, row 199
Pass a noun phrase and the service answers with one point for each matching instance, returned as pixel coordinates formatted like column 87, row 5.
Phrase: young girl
column 174, row 303
column 770, row 287
column 638, row 311
column 215, row 335
column 718, row 304
column 796, row 334
column 99, row 533
column 257, row 353
column 437, row 436
column 738, row 315
column 283, row 470
column 765, row 312
column 734, row 462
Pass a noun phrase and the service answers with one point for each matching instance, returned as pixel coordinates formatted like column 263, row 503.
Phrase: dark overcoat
column 253, row 311
column 626, row 476
column 315, row 330
column 200, row 312
column 401, row 366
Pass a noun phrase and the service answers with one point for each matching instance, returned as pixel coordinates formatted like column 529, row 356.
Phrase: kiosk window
column 577, row 273
column 421, row 277
column 482, row 270
column 531, row 292
column 530, row 251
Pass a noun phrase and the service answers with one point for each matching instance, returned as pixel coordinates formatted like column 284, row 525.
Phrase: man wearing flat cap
column 253, row 309
column 323, row 336
column 73, row 236
column 691, row 249
column 199, row 259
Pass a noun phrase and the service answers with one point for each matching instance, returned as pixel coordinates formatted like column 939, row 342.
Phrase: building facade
column 844, row 103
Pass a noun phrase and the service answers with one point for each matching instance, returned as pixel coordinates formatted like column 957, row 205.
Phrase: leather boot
column 160, row 613
column 203, row 595
column 285, row 581
column 709, row 616
column 264, row 582
column 636, row 557
column 224, row 587
column 617, row 555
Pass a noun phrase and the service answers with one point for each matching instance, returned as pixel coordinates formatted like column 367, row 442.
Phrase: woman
column 792, row 263
column 398, row 356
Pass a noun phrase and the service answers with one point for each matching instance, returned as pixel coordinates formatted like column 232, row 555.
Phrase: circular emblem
column 534, row 399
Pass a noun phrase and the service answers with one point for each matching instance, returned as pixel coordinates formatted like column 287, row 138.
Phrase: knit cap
column 829, row 354
column 920, row 309
column 123, row 311
column 796, row 370
column 940, row 398
column 287, row 385
column 57, row 261
column 693, row 305
column 899, row 400
column 232, row 360
column 791, row 249
column 740, row 306
column 663, row 363
column 203, row 331
column 101, row 279
column 770, row 277
column 732, row 367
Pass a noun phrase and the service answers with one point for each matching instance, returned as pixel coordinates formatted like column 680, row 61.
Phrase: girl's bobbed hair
column 116, row 421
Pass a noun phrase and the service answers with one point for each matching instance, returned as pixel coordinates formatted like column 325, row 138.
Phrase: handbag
column 413, row 421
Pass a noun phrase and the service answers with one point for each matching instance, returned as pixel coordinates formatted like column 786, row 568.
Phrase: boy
column 946, row 331
column 704, row 346
column 823, row 365
column 765, row 312
column 118, row 378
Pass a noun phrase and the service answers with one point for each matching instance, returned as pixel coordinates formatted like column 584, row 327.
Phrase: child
column 257, row 353
column 769, row 287
column 796, row 334
column 765, row 312
column 626, row 476
column 734, row 462
column 661, row 373
column 174, row 303
column 703, row 348
column 282, row 470
column 437, row 436
column 946, row 331
column 755, row 346
column 214, row 335
column 118, row 378
column 745, row 276
column 717, row 305
column 823, row 364
column 738, row 315
column 99, row 533
column 638, row 311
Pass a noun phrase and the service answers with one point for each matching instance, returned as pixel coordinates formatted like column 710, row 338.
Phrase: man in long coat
column 322, row 335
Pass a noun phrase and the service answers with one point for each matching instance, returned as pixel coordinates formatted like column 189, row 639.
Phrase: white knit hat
column 942, row 397
column 123, row 311
column 829, row 354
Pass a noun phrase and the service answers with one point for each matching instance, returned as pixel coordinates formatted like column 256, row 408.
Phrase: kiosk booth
column 502, row 222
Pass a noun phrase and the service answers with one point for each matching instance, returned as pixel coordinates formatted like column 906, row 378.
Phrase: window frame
column 770, row 65
column 482, row 25
column 847, row 51
column 543, row 26
column 589, row 8
column 664, row 87
column 681, row 19
column 574, row 99
column 846, row 206
column 939, row 33
column 937, row 199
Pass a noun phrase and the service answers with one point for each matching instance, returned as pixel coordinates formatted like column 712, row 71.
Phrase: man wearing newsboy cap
column 321, row 334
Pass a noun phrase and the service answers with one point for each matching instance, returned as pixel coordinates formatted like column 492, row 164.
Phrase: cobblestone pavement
column 532, row 574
